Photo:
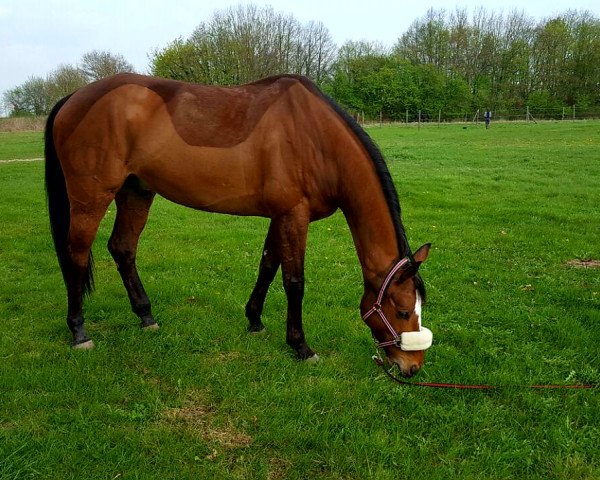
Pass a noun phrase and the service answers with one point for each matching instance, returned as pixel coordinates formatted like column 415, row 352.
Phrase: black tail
column 58, row 203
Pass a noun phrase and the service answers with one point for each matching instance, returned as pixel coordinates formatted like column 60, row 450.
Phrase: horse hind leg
column 133, row 205
column 78, row 268
column 269, row 264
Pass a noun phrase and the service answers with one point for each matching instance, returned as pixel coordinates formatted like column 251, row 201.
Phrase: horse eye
column 403, row 315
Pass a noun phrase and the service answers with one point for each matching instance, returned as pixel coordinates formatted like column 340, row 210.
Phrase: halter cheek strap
column 406, row 341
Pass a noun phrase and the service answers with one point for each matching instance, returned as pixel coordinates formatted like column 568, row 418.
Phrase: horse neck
column 368, row 215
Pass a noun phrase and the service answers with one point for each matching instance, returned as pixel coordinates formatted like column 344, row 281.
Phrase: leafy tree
column 30, row 98
column 552, row 49
column 14, row 102
column 457, row 96
column 584, row 62
column 100, row 64
column 399, row 89
column 179, row 61
column 355, row 61
column 426, row 41
column 431, row 84
column 318, row 51
column 244, row 44
column 63, row 81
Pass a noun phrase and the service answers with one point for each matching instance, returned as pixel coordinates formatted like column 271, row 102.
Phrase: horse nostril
column 414, row 369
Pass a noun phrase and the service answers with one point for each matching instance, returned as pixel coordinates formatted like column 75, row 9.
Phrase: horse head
column 393, row 313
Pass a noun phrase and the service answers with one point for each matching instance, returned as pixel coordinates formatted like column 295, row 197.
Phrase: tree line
column 510, row 61
column 456, row 63
column 449, row 60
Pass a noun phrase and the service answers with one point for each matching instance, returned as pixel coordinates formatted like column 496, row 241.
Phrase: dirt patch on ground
column 199, row 418
column 587, row 263
column 8, row 426
column 278, row 468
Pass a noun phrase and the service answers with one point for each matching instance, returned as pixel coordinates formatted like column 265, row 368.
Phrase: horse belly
column 216, row 181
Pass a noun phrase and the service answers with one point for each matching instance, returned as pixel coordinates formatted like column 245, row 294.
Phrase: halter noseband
column 406, row 341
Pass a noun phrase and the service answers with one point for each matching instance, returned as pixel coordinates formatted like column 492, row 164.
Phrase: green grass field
column 505, row 209
column 21, row 145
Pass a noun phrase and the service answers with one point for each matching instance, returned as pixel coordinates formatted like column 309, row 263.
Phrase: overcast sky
column 38, row 35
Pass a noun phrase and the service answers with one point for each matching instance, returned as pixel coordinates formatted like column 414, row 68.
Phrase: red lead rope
column 458, row 386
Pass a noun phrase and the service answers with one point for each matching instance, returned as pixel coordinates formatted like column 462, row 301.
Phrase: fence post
column 573, row 112
column 527, row 117
column 439, row 118
column 419, row 124
column 407, row 116
column 563, row 116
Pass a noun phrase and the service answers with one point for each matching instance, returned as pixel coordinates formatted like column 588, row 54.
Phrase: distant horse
column 277, row 148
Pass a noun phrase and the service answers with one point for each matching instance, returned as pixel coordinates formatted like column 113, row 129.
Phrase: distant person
column 488, row 119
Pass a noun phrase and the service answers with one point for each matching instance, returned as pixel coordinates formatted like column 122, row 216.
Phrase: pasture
column 512, row 213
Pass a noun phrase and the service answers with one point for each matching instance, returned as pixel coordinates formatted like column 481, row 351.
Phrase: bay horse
column 277, row 148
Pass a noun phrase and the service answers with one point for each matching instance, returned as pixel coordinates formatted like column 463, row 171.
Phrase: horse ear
column 413, row 267
column 419, row 257
column 421, row 254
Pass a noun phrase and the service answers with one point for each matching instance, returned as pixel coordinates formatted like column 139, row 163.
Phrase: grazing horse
column 277, row 148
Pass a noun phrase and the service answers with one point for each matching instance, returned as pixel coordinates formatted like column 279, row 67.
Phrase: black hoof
column 148, row 323
column 256, row 327
column 85, row 345
column 314, row 359
column 305, row 353
column 81, row 340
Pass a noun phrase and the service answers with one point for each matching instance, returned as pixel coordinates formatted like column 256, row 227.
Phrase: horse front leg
column 269, row 264
column 291, row 232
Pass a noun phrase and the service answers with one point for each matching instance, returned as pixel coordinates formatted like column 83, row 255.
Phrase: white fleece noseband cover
column 415, row 341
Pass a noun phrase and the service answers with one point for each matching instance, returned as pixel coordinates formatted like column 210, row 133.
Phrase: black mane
column 387, row 184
